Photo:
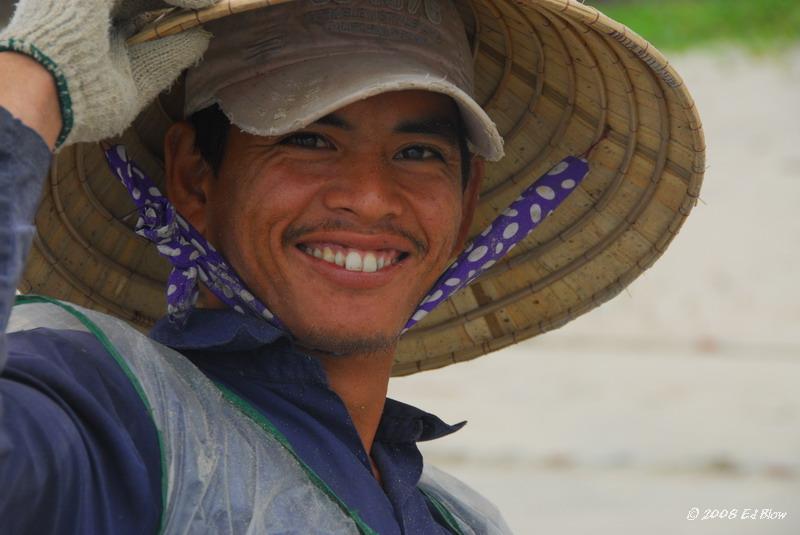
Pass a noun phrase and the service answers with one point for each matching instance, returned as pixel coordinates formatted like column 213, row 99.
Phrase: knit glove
column 102, row 83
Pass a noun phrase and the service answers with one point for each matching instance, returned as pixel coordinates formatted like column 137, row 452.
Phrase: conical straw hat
column 556, row 76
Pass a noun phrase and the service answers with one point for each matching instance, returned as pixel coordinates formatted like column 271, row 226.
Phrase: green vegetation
column 759, row 25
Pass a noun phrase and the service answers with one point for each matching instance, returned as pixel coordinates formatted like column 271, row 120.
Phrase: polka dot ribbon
column 192, row 257
column 512, row 226
column 188, row 251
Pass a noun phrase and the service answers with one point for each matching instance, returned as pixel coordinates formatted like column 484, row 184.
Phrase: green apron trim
column 443, row 512
column 254, row 414
column 103, row 339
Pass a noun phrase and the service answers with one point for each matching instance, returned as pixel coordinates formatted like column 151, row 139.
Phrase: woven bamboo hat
column 556, row 76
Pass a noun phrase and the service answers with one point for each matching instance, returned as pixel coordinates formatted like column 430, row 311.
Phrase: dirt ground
column 683, row 391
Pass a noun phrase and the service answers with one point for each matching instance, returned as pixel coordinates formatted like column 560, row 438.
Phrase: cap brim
column 260, row 106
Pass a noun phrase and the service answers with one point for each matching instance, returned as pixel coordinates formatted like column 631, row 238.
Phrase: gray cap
column 279, row 69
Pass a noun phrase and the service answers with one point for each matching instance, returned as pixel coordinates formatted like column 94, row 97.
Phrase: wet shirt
column 78, row 451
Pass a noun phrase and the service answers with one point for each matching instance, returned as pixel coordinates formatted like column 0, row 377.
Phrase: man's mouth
column 351, row 259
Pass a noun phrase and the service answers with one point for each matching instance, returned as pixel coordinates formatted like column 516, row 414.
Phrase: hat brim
column 556, row 77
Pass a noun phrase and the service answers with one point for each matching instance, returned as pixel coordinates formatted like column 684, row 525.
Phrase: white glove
column 102, row 83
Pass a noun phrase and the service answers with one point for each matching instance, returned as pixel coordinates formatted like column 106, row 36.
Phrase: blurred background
column 684, row 391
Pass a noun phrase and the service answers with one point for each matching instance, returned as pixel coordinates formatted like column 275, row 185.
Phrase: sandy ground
column 683, row 391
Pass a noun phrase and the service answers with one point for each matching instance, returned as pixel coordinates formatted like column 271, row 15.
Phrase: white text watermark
column 747, row 513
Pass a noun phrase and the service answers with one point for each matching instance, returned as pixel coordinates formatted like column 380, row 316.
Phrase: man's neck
column 361, row 381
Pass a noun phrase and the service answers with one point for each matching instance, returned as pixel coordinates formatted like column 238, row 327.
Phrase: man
column 337, row 198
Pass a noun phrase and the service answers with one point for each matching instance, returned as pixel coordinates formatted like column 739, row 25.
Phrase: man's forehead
column 442, row 126
column 423, row 113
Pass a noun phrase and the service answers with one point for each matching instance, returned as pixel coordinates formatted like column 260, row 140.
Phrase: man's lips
column 356, row 252
column 354, row 278
column 352, row 258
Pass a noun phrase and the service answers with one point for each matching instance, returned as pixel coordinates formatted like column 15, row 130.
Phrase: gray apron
column 225, row 468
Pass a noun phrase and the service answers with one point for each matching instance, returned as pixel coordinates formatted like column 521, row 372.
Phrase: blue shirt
column 78, row 451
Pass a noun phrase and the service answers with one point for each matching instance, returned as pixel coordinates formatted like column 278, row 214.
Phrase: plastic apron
column 201, row 426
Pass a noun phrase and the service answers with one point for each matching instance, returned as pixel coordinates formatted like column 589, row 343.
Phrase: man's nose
column 366, row 188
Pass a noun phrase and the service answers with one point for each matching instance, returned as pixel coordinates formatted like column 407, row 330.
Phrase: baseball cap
column 277, row 70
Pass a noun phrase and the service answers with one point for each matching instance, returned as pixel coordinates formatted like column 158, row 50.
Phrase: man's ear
column 186, row 174
column 470, row 201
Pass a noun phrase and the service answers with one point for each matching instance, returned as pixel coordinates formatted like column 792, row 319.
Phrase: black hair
column 466, row 155
column 211, row 127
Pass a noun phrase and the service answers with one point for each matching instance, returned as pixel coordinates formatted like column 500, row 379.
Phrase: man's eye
column 306, row 140
column 419, row 152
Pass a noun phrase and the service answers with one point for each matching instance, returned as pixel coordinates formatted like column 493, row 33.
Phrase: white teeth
column 353, row 261
column 370, row 263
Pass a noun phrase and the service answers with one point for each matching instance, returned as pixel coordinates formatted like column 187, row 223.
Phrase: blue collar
column 403, row 423
column 221, row 330
column 242, row 339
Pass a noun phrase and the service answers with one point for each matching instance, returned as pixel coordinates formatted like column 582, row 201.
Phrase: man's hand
column 102, row 84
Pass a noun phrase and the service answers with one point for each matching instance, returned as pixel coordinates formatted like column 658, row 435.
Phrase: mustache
column 295, row 233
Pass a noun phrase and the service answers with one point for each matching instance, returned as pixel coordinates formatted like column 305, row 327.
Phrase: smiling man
column 322, row 178
column 354, row 216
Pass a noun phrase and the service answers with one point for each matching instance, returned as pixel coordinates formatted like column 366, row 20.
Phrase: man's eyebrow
column 335, row 121
column 443, row 127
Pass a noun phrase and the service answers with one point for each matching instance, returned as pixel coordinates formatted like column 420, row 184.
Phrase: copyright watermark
column 695, row 513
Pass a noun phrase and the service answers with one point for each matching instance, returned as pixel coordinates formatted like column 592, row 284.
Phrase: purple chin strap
column 192, row 257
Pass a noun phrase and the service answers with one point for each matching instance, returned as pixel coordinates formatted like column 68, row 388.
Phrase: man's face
column 342, row 227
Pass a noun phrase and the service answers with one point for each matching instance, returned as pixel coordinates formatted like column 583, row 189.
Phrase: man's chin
column 339, row 344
